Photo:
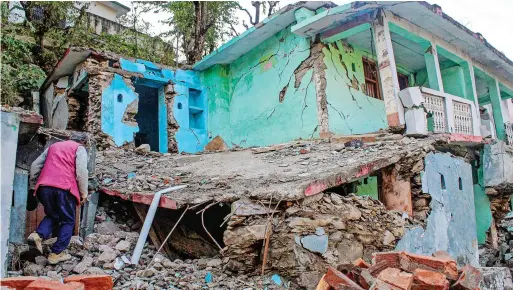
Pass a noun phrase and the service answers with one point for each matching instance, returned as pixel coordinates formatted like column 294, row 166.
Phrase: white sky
column 492, row 18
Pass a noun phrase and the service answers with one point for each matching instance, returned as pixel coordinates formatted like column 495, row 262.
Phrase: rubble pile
column 404, row 271
column 310, row 235
column 503, row 255
column 108, row 251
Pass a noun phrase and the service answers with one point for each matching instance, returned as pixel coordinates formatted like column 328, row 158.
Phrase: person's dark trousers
column 60, row 209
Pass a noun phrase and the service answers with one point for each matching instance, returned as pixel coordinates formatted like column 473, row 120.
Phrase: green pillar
column 495, row 100
column 433, row 69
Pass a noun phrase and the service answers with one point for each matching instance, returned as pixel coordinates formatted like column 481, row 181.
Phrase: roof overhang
column 243, row 43
column 72, row 57
column 328, row 22
column 120, row 8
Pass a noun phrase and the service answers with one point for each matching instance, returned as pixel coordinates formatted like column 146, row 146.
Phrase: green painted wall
column 454, row 81
column 350, row 111
column 481, row 203
column 368, row 187
column 245, row 107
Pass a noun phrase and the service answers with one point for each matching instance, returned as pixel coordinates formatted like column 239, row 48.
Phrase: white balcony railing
column 450, row 114
column 509, row 132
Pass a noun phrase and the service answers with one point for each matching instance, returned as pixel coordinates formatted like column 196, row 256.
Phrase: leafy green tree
column 201, row 25
column 19, row 76
column 51, row 19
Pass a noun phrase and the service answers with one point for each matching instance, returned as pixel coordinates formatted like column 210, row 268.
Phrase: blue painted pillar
column 495, row 100
column 433, row 69
column 10, row 128
column 19, row 207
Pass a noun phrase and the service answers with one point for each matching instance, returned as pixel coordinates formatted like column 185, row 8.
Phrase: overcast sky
column 492, row 18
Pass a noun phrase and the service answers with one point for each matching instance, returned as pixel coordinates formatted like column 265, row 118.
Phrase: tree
column 266, row 7
column 201, row 25
column 44, row 18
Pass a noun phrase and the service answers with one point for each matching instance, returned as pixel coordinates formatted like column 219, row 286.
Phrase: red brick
column 365, row 279
column 411, row 262
column 44, row 284
column 18, row 282
column 335, row 279
column 396, row 278
column 428, row 280
column 442, row 255
column 392, row 258
column 97, row 282
column 375, row 269
column 470, row 278
column 360, row 263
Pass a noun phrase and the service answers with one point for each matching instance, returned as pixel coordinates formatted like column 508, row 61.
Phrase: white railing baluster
column 436, row 106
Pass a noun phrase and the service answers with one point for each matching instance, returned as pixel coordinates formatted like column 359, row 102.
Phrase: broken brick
column 392, row 258
column 360, row 263
column 442, row 255
column 97, row 282
column 18, row 282
column 365, row 279
column 428, row 280
column 396, row 278
column 44, row 284
column 469, row 279
column 375, row 269
column 411, row 262
column 337, row 280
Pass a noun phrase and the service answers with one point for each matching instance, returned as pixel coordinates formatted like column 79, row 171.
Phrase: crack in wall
column 314, row 61
column 342, row 116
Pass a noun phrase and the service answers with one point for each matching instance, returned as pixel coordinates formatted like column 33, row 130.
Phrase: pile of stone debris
column 500, row 254
column 404, row 271
column 108, row 250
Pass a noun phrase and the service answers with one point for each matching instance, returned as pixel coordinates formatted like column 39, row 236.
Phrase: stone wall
column 310, row 235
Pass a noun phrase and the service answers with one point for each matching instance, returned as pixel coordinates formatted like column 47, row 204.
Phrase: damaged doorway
column 147, row 116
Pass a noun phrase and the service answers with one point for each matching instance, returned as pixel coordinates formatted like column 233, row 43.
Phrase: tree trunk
column 200, row 31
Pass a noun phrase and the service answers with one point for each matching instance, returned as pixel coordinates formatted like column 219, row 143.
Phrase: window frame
column 371, row 64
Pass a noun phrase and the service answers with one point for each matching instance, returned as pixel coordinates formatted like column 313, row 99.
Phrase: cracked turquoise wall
column 245, row 107
column 113, row 110
column 350, row 111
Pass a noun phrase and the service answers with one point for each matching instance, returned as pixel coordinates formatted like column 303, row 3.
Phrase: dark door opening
column 147, row 117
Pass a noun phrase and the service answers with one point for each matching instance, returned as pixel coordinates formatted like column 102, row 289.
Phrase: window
column 403, row 81
column 371, row 79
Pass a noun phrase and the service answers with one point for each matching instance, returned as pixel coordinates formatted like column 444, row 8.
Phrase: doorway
column 147, row 117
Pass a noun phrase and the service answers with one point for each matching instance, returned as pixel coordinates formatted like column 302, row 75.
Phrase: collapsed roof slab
column 286, row 172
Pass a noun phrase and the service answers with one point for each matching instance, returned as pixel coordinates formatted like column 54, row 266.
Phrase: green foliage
column 214, row 23
column 19, row 76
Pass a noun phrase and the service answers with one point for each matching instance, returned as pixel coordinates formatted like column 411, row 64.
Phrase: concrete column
column 388, row 72
column 433, row 69
column 471, row 88
column 495, row 100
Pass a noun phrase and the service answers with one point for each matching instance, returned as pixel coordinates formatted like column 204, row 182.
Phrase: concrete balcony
column 428, row 110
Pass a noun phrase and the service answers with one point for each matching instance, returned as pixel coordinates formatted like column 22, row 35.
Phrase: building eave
column 255, row 35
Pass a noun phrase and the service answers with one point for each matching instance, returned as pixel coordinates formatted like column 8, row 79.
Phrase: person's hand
column 83, row 200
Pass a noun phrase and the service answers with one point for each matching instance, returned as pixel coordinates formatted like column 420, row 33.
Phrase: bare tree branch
column 249, row 14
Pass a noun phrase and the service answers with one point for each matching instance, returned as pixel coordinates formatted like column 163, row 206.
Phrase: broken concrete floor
column 288, row 171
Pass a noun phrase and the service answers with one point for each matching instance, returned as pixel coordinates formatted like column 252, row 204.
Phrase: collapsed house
column 320, row 136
